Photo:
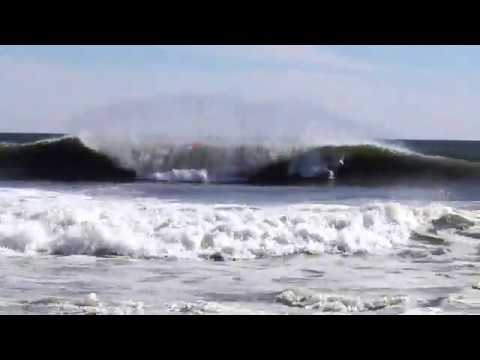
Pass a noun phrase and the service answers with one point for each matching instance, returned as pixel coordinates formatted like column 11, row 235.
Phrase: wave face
column 40, row 222
column 73, row 159
column 364, row 164
column 63, row 159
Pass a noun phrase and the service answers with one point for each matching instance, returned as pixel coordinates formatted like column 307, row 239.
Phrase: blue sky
column 440, row 58
column 450, row 59
column 402, row 91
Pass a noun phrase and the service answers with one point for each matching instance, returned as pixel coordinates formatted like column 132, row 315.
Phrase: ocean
column 159, row 227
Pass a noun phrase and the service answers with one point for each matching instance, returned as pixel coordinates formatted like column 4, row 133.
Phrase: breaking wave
column 71, row 159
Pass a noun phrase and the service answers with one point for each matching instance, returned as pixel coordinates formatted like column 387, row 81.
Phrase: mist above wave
column 231, row 119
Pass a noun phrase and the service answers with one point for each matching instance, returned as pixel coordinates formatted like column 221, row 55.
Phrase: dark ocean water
column 24, row 138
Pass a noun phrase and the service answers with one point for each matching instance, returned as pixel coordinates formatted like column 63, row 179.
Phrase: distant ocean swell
column 70, row 159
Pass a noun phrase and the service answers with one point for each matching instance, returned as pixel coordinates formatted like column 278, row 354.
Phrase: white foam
column 90, row 305
column 69, row 224
column 210, row 308
column 185, row 175
column 426, row 311
column 332, row 303
column 337, row 303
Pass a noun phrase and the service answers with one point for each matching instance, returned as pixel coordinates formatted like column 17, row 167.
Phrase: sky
column 427, row 92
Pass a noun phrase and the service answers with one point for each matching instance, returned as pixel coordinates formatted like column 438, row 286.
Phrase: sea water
column 156, row 248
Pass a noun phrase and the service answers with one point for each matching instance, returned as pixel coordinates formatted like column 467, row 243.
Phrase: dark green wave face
column 365, row 164
column 69, row 159
column 371, row 162
column 65, row 159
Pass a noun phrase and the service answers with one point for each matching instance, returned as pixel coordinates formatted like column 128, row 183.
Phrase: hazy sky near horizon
column 392, row 91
